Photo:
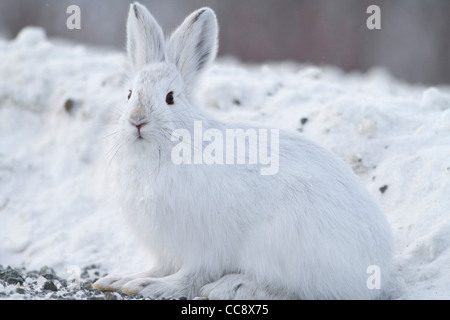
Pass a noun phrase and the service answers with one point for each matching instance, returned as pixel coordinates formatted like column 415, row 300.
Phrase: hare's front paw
column 111, row 283
column 116, row 282
column 155, row 288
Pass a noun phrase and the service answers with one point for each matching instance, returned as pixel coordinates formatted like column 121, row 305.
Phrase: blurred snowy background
column 379, row 99
column 412, row 43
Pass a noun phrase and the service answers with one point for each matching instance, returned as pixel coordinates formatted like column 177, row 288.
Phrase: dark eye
column 169, row 98
column 129, row 94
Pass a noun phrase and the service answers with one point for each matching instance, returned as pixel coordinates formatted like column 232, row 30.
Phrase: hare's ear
column 145, row 39
column 193, row 46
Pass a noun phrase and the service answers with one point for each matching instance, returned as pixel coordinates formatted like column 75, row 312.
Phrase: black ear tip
column 199, row 13
column 136, row 10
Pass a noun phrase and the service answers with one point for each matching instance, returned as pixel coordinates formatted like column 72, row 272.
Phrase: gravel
column 46, row 284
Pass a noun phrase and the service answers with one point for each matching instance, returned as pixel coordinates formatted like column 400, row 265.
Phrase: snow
column 57, row 101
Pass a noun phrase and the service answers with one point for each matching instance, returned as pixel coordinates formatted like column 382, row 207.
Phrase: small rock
column 47, row 270
column 12, row 280
column 20, row 290
column 63, row 283
column 96, row 292
column 32, row 274
column 69, row 106
column 383, row 188
column 303, row 121
column 49, row 285
column 50, row 276
column 183, row 298
column 9, row 273
column 87, row 285
column 84, row 274
column 53, row 296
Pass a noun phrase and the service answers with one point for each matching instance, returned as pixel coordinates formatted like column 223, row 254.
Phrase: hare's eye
column 129, row 94
column 169, row 98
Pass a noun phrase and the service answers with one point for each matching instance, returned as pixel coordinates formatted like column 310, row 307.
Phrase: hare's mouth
column 143, row 137
column 140, row 138
column 137, row 129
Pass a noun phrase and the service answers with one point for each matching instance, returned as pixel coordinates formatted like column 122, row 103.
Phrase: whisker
column 109, row 135
column 112, row 153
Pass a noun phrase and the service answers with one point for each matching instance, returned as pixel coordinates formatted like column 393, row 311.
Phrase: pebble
column 12, row 280
column 383, row 189
column 20, row 290
column 32, row 274
column 4, row 275
column 45, row 270
column 50, row 276
column 49, row 285
column 87, row 285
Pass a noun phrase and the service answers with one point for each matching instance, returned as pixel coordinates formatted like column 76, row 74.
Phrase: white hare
column 310, row 231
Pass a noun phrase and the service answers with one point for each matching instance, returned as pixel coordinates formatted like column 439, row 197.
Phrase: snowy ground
column 55, row 100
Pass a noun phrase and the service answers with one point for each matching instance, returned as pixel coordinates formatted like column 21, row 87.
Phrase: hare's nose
column 139, row 126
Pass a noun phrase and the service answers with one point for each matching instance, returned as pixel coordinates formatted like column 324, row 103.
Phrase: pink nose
column 139, row 126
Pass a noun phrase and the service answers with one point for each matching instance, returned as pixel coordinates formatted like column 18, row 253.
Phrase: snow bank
column 56, row 101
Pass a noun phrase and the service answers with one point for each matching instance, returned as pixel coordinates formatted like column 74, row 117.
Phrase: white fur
column 225, row 231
